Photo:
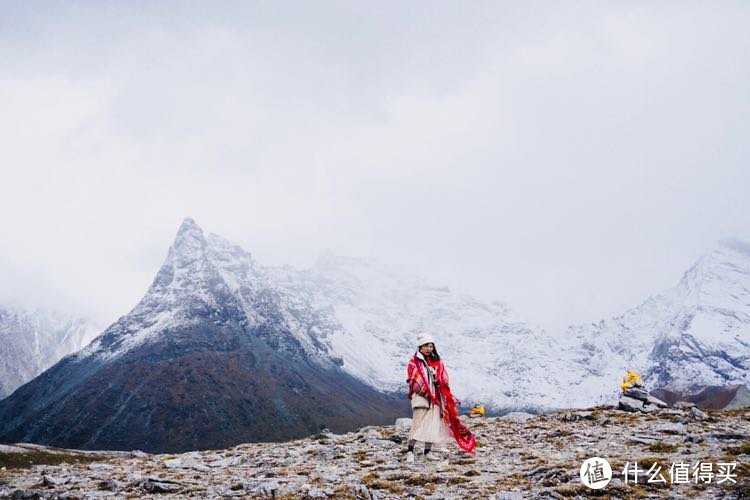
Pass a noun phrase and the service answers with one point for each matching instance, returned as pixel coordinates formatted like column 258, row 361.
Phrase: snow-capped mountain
column 211, row 356
column 33, row 340
column 693, row 335
column 373, row 314
column 222, row 349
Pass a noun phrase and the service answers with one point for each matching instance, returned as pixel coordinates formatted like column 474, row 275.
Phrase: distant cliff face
column 693, row 336
column 32, row 341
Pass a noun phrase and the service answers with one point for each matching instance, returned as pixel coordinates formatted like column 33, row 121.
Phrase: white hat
column 424, row 338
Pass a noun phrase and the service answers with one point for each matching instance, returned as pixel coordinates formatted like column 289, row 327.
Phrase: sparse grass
column 457, row 480
column 386, row 433
column 386, row 485
column 662, row 447
column 368, row 478
column 425, row 481
column 359, row 455
column 342, row 491
column 27, row 460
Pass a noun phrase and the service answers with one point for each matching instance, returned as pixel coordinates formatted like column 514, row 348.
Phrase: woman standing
column 435, row 419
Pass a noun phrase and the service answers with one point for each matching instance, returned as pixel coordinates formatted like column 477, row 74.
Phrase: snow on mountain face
column 32, row 341
column 693, row 335
column 375, row 314
column 213, row 355
column 352, row 313
column 203, row 277
column 364, row 317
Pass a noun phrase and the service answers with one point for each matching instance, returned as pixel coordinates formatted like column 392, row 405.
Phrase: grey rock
column 517, row 416
column 111, row 485
column 637, row 393
column 54, row 481
column 361, row 489
column 227, row 462
column 630, row 404
column 643, row 439
column 673, row 411
column 671, row 428
column 656, row 401
column 697, row 414
column 175, row 463
column 161, row 486
column 101, row 467
column 403, row 424
column 574, row 416
column 262, row 488
column 683, row 405
column 316, row 493
column 508, row 495
column 380, row 442
column 693, row 438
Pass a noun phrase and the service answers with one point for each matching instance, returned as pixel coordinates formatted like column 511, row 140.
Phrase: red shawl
column 440, row 395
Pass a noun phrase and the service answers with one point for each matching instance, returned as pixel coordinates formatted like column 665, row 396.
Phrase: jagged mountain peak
column 736, row 245
column 189, row 244
column 719, row 279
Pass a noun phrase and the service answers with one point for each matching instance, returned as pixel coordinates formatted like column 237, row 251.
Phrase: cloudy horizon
column 570, row 160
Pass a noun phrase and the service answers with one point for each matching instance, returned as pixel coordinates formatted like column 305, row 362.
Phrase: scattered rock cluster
column 637, row 398
column 522, row 456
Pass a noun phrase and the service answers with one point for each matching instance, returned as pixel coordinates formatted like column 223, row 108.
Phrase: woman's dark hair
column 434, row 356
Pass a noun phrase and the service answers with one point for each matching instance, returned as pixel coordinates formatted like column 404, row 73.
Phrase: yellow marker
column 629, row 380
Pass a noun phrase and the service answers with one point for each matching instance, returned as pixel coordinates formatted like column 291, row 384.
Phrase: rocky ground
column 518, row 456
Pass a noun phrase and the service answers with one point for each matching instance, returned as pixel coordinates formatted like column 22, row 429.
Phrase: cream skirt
column 428, row 427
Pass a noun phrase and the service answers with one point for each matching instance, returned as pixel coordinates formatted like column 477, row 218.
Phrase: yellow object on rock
column 629, row 380
column 477, row 411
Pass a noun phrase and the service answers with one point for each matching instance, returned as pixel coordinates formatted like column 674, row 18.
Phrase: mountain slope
column 210, row 357
column 32, row 341
column 492, row 355
column 693, row 335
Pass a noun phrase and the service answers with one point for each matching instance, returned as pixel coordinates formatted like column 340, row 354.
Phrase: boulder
column 517, row 416
column 656, row 401
column 697, row 414
column 630, row 404
column 403, row 424
column 152, row 485
column 637, row 393
column 671, row 428
column 683, row 405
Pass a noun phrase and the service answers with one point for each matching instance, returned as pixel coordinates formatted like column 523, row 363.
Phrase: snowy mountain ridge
column 363, row 317
column 693, row 335
column 33, row 340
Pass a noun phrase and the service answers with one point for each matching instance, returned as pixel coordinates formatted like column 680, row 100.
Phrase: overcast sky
column 568, row 158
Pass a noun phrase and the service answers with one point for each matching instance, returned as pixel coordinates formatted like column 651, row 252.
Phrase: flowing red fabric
column 440, row 395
